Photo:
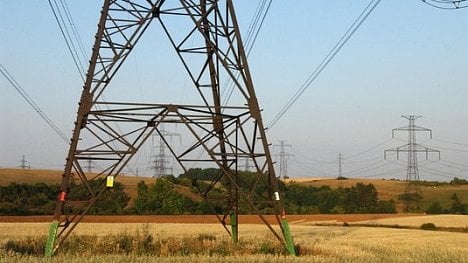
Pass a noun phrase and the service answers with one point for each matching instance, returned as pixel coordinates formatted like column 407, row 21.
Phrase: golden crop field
column 209, row 243
column 460, row 221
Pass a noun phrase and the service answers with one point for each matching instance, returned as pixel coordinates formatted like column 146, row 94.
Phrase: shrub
column 428, row 226
column 435, row 208
column 30, row 246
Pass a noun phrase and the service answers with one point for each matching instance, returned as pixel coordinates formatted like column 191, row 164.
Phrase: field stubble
column 210, row 244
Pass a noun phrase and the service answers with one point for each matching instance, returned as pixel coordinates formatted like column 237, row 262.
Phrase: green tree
column 361, row 199
column 457, row 206
column 142, row 199
column 164, row 199
column 435, row 208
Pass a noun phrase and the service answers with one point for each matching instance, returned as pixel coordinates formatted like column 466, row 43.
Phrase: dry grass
column 317, row 243
column 8, row 176
column 459, row 221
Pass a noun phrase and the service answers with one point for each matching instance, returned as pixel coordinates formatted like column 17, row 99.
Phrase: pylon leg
column 234, row 226
column 288, row 237
column 49, row 248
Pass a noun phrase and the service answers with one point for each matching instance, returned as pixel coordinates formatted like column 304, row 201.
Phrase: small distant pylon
column 340, row 170
column 284, row 158
column 412, row 193
column 24, row 164
column 161, row 164
column 247, row 165
column 89, row 166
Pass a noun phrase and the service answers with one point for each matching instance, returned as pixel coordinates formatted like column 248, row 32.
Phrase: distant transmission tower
column 340, row 171
column 161, row 164
column 412, row 193
column 89, row 166
column 284, row 157
column 247, row 165
column 24, row 164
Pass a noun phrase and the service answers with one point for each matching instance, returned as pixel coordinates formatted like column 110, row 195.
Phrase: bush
column 435, row 208
column 30, row 246
column 428, row 226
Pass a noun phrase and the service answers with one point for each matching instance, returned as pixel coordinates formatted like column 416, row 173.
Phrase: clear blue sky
column 407, row 58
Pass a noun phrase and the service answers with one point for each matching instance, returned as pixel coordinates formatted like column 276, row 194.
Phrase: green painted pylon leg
column 233, row 219
column 288, row 237
column 49, row 249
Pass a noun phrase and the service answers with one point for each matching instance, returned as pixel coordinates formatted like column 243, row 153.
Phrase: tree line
column 171, row 195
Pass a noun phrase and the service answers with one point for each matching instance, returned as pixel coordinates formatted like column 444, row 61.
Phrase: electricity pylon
column 284, row 157
column 340, row 170
column 161, row 164
column 206, row 38
column 412, row 193
column 23, row 163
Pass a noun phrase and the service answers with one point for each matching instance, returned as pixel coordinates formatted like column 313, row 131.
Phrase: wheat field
column 316, row 243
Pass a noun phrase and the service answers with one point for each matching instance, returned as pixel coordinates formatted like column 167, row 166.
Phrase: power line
column 251, row 38
column 371, row 167
column 455, row 164
column 443, row 174
column 447, row 165
column 74, row 30
column 435, row 170
column 308, row 169
column 311, row 161
column 448, row 149
column 66, row 35
column 393, row 171
column 366, row 160
column 341, row 42
column 31, row 102
column 368, row 150
column 449, row 142
column 446, row 4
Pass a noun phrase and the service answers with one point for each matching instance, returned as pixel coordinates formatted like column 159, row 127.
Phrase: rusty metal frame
column 111, row 133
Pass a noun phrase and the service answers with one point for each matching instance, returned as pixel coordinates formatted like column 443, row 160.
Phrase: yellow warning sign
column 110, row 181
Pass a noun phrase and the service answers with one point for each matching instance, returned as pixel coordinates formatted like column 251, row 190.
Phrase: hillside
column 8, row 176
column 390, row 189
column 387, row 189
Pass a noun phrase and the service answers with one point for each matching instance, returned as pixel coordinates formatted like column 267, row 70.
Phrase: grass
column 114, row 242
column 415, row 221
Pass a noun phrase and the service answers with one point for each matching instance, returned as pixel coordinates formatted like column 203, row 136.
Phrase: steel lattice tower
column 205, row 37
column 161, row 164
column 284, row 157
column 412, row 193
column 340, row 170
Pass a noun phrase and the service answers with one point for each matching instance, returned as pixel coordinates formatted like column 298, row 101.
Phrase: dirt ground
column 209, row 219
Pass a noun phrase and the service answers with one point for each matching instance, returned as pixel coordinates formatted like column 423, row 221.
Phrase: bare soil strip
column 209, row 219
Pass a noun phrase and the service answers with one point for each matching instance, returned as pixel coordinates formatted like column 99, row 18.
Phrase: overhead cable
column 66, row 35
column 254, row 29
column 445, row 148
column 449, row 142
column 31, row 102
column 341, row 42
column 367, row 150
column 447, row 4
